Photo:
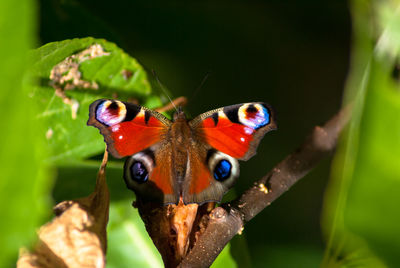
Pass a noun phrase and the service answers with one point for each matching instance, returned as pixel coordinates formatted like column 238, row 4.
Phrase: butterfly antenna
column 164, row 89
column 200, row 86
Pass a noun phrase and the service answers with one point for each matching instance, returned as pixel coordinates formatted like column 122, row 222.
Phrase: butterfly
column 194, row 161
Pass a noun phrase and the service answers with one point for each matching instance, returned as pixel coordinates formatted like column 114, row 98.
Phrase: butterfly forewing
column 237, row 129
column 127, row 128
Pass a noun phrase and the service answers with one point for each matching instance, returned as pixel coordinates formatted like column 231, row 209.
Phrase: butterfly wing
column 127, row 128
column 135, row 131
column 236, row 130
column 210, row 175
column 222, row 136
column 159, row 185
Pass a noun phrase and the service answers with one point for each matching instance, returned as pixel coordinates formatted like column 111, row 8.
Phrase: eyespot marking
column 110, row 112
column 254, row 115
column 222, row 170
column 223, row 167
column 139, row 172
column 138, row 167
column 251, row 110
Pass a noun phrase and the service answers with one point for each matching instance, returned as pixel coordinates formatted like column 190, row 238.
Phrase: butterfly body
column 190, row 160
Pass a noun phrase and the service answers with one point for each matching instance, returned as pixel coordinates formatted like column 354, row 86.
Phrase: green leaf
column 373, row 196
column 240, row 251
column 225, row 259
column 299, row 255
column 25, row 181
column 362, row 199
column 129, row 245
column 80, row 79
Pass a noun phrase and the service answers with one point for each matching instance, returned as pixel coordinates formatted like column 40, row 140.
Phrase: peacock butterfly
column 190, row 160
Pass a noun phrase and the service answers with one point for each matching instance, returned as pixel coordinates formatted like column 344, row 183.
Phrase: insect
column 194, row 161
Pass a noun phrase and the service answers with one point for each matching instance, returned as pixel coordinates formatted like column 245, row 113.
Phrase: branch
column 228, row 220
column 180, row 101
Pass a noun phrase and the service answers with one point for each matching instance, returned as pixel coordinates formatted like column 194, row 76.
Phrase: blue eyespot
column 222, row 170
column 139, row 172
column 264, row 120
column 254, row 115
column 110, row 112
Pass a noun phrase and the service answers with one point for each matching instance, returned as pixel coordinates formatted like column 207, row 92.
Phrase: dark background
column 291, row 54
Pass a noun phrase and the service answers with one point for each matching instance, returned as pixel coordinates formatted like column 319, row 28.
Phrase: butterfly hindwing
column 158, row 184
column 211, row 174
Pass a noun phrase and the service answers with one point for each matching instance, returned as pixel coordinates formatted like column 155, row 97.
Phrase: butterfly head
column 179, row 114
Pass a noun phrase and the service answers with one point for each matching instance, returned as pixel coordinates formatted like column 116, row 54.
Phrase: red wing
column 161, row 174
column 230, row 138
column 203, row 183
column 159, row 185
column 236, row 130
column 127, row 128
column 201, row 177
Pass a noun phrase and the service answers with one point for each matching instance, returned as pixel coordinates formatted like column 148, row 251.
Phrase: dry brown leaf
column 76, row 237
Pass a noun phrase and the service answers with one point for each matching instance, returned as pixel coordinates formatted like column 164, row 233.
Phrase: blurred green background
column 302, row 57
column 293, row 55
